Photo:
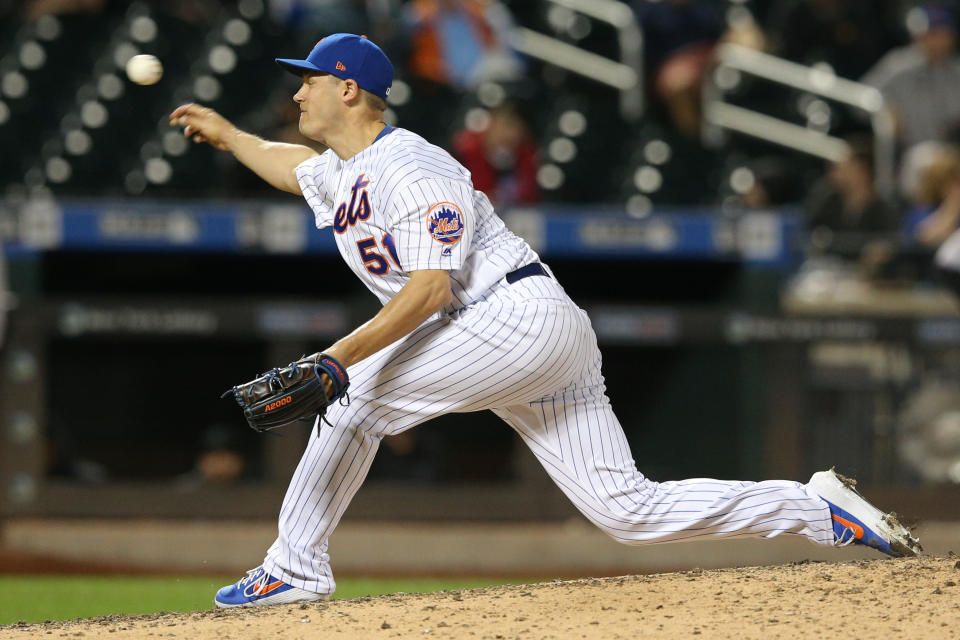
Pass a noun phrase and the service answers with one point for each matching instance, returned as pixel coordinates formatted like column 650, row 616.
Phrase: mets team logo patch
column 445, row 223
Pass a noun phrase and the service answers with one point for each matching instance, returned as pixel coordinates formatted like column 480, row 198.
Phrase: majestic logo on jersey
column 445, row 223
column 359, row 209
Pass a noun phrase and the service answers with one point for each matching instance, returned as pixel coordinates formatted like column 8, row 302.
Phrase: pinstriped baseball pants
column 529, row 354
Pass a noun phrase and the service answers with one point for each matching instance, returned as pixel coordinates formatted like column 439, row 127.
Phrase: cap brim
column 297, row 67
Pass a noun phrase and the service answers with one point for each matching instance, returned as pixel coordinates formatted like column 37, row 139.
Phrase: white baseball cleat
column 857, row 521
column 259, row 589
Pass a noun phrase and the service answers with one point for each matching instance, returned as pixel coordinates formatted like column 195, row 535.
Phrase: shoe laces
column 253, row 574
column 845, row 537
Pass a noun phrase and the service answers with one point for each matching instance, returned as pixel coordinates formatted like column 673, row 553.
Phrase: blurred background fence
column 754, row 243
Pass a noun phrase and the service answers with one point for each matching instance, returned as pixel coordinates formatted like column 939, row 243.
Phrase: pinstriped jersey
column 402, row 205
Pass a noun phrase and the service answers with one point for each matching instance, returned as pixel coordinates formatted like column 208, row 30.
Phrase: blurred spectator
column 679, row 38
column 849, row 35
column 502, row 157
column 939, row 188
column 893, row 63
column 845, row 215
column 310, row 20
column 937, row 230
column 899, row 59
column 925, row 96
column 929, row 186
column 452, row 46
column 774, row 184
column 914, row 166
column 460, row 43
column 221, row 460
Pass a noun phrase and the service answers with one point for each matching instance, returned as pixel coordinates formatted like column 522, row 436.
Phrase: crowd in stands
column 530, row 132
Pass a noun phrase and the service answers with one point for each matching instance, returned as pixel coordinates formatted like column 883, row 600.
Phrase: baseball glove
column 300, row 391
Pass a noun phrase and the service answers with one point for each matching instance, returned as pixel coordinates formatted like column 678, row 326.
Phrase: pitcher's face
column 321, row 106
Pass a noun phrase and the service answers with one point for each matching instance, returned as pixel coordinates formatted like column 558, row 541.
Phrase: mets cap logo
column 445, row 223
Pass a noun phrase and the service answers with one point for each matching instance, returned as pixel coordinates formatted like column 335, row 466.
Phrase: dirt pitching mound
column 905, row 598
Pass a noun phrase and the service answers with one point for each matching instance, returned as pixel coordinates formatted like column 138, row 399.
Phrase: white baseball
column 144, row 69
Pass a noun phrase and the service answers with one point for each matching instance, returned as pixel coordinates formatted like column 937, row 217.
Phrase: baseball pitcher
column 472, row 319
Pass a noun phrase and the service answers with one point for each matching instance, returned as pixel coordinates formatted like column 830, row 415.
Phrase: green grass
column 38, row 598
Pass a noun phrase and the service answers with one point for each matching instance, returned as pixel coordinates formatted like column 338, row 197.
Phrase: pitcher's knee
column 629, row 533
column 623, row 526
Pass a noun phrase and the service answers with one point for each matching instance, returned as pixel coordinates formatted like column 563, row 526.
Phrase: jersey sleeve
column 432, row 223
column 310, row 177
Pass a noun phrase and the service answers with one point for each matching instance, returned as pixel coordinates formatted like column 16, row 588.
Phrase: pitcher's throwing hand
column 202, row 124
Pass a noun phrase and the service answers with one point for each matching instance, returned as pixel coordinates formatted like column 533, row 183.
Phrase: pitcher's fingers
column 184, row 119
column 181, row 110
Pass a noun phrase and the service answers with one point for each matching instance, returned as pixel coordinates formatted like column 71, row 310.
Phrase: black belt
column 532, row 269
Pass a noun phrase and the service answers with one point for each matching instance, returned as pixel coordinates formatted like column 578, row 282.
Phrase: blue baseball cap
column 349, row 57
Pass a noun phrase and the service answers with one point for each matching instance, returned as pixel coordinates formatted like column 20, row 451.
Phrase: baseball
column 144, row 69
